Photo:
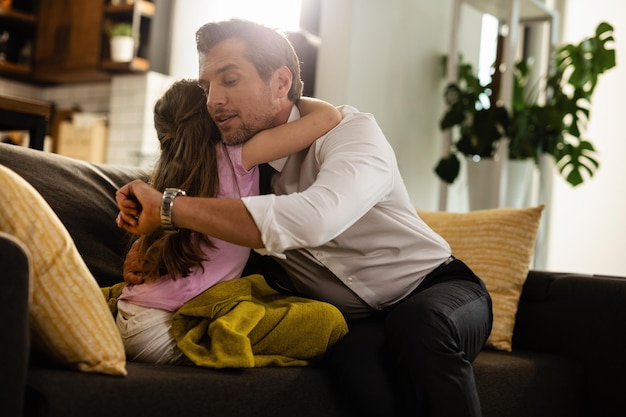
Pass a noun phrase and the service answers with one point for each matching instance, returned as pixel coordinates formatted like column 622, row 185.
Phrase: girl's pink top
column 225, row 261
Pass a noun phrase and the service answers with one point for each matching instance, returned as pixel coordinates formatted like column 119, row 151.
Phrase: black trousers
column 414, row 358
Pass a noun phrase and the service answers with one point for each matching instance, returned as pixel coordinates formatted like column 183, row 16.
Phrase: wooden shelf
column 7, row 66
column 17, row 15
column 136, row 65
column 25, row 105
column 145, row 8
column 529, row 10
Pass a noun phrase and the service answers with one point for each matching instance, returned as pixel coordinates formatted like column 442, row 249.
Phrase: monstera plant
column 556, row 127
column 553, row 127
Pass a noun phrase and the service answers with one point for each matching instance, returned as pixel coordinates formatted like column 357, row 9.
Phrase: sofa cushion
column 579, row 316
column 498, row 245
column 82, row 194
column 68, row 316
column 528, row 383
column 163, row 390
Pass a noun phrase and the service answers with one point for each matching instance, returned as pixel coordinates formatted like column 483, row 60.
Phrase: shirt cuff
column 261, row 208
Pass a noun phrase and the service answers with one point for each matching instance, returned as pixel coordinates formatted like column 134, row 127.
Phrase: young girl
column 178, row 266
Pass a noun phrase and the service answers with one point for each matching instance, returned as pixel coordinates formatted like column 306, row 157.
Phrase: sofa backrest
column 580, row 316
column 82, row 194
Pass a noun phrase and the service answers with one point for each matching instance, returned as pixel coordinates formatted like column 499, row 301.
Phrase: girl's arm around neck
column 318, row 117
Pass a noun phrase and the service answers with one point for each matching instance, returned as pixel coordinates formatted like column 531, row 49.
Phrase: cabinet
column 511, row 13
column 66, row 41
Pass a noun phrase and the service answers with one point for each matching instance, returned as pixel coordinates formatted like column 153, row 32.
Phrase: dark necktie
column 265, row 178
column 274, row 274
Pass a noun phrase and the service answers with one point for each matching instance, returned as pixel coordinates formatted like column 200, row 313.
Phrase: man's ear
column 282, row 79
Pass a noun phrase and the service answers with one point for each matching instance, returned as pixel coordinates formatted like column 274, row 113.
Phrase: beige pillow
column 69, row 318
column 498, row 245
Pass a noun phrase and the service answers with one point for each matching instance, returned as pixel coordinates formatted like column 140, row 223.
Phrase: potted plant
column 122, row 42
column 481, row 123
column 554, row 127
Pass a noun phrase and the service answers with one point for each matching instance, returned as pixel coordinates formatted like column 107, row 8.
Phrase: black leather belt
column 441, row 265
column 447, row 261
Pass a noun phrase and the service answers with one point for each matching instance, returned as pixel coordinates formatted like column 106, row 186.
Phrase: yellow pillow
column 69, row 318
column 498, row 245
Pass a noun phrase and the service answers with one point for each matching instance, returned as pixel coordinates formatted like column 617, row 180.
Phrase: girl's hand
column 140, row 206
column 133, row 267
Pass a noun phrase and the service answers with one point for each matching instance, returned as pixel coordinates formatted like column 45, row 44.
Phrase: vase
column 519, row 182
column 122, row 48
column 483, row 183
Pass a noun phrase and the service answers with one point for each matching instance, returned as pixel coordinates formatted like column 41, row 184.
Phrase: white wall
column 189, row 15
column 187, row 18
column 383, row 58
column 588, row 225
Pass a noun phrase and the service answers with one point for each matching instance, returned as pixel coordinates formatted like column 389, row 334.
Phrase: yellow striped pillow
column 498, row 245
column 69, row 318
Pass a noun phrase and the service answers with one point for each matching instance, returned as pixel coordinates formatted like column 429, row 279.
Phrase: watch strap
column 167, row 204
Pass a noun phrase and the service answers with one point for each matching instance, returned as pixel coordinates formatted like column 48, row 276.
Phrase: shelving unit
column 58, row 42
column 512, row 13
column 139, row 14
column 68, row 42
column 19, row 22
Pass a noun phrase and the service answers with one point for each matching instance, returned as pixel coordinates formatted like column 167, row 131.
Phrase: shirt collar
column 279, row 164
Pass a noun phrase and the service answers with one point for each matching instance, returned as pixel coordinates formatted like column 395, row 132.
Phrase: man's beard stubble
column 241, row 135
column 247, row 130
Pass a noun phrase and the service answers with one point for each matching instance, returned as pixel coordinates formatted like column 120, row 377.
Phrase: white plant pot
column 519, row 182
column 483, row 183
column 122, row 48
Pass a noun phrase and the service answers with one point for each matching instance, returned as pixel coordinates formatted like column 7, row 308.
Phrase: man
column 341, row 223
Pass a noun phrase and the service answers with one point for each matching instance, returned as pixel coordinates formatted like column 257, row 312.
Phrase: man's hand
column 140, row 206
column 133, row 268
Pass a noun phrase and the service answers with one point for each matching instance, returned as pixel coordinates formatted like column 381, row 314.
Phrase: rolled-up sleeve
column 261, row 208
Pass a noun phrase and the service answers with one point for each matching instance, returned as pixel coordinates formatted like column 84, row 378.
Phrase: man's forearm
column 225, row 219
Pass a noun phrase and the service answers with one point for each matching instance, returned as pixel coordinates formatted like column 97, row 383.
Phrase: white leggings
column 146, row 333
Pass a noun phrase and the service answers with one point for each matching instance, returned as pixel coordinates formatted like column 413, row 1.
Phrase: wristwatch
column 167, row 203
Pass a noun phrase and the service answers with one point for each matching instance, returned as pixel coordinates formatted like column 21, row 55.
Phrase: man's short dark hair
column 267, row 48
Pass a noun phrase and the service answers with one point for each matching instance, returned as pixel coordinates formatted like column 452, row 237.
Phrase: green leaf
column 575, row 162
column 448, row 168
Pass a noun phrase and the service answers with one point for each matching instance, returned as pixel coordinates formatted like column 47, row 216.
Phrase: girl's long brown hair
column 188, row 139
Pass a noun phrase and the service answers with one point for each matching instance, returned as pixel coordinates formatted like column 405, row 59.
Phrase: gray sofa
column 569, row 355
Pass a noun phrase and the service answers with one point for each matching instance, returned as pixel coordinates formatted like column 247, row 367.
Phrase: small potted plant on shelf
column 122, row 42
column 553, row 127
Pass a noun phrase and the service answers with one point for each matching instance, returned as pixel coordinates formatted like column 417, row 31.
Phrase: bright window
column 189, row 15
column 282, row 14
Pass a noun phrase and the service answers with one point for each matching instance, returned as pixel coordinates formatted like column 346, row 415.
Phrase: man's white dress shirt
column 341, row 221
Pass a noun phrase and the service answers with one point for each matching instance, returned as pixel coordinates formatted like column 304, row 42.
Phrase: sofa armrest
column 581, row 316
column 14, row 349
